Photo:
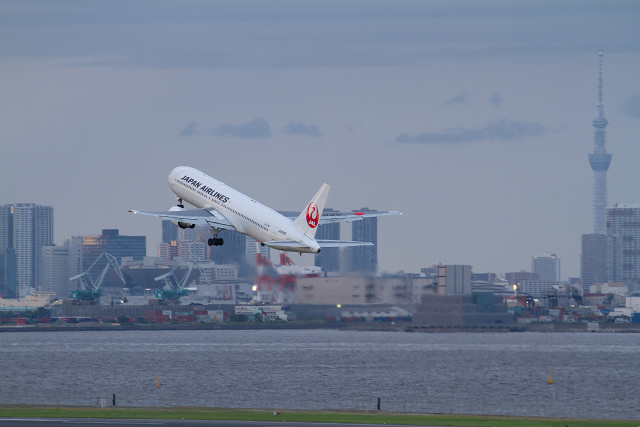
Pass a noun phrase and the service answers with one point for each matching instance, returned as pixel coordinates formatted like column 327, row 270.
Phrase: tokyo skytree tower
column 599, row 160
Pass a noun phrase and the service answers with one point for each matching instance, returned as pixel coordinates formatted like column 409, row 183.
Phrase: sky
column 472, row 118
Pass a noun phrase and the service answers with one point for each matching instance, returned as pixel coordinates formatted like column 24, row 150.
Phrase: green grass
column 374, row 417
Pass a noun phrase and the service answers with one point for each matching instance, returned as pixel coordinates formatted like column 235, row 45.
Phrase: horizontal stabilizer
column 333, row 217
column 341, row 243
column 284, row 243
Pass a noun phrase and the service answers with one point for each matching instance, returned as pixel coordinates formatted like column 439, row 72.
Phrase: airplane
column 223, row 208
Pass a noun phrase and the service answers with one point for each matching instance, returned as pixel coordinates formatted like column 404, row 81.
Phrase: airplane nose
column 176, row 173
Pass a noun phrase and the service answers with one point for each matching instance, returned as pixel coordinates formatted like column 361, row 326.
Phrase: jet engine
column 180, row 223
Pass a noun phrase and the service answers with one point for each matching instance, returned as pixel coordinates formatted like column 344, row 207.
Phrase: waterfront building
column 454, row 280
column 338, row 290
column 26, row 228
column 481, row 308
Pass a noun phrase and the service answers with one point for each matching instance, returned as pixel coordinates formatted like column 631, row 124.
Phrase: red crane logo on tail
column 312, row 215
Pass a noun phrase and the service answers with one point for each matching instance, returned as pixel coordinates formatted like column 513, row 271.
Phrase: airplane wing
column 205, row 217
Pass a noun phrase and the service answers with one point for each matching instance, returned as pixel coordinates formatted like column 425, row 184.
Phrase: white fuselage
column 247, row 215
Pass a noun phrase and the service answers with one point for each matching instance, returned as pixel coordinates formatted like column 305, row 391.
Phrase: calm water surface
column 594, row 375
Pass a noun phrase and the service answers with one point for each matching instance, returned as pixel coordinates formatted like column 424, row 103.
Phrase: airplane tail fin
column 309, row 219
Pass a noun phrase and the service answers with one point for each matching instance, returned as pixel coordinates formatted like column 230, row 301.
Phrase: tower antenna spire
column 600, row 160
column 600, row 103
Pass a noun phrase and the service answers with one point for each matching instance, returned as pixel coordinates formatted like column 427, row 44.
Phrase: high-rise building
column 169, row 232
column 8, row 273
column 593, row 260
column 599, row 160
column 547, row 267
column 623, row 244
column 55, row 271
column 26, row 228
column 111, row 242
column 365, row 258
column 329, row 258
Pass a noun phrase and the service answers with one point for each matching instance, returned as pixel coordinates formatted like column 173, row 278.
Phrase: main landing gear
column 216, row 241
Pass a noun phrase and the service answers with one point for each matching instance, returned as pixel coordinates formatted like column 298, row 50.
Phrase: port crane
column 89, row 291
column 173, row 288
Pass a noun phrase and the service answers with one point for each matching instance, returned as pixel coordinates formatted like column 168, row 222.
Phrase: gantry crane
column 89, row 291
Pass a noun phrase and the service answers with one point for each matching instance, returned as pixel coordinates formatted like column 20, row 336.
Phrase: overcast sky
column 472, row 118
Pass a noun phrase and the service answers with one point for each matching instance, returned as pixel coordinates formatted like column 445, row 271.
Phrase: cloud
column 459, row 99
column 631, row 106
column 503, row 129
column 190, row 130
column 299, row 128
column 256, row 128
column 496, row 99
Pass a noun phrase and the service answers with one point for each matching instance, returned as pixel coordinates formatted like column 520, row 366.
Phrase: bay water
column 594, row 375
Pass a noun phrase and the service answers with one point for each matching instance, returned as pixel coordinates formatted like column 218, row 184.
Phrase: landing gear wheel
column 215, row 241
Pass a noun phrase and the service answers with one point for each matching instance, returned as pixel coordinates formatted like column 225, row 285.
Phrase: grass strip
column 187, row 413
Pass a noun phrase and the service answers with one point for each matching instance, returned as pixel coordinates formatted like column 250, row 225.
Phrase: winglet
column 309, row 218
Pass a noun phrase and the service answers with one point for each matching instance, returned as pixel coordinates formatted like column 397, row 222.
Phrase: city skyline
column 474, row 120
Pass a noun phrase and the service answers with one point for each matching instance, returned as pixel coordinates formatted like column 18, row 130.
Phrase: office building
column 169, row 231
column 623, row 244
column 26, row 228
column 111, row 242
column 75, row 255
column 547, row 267
column 8, row 273
column 55, row 271
column 365, row 258
column 593, row 260
column 329, row 258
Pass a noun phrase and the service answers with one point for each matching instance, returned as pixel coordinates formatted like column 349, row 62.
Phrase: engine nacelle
column 180, row 223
